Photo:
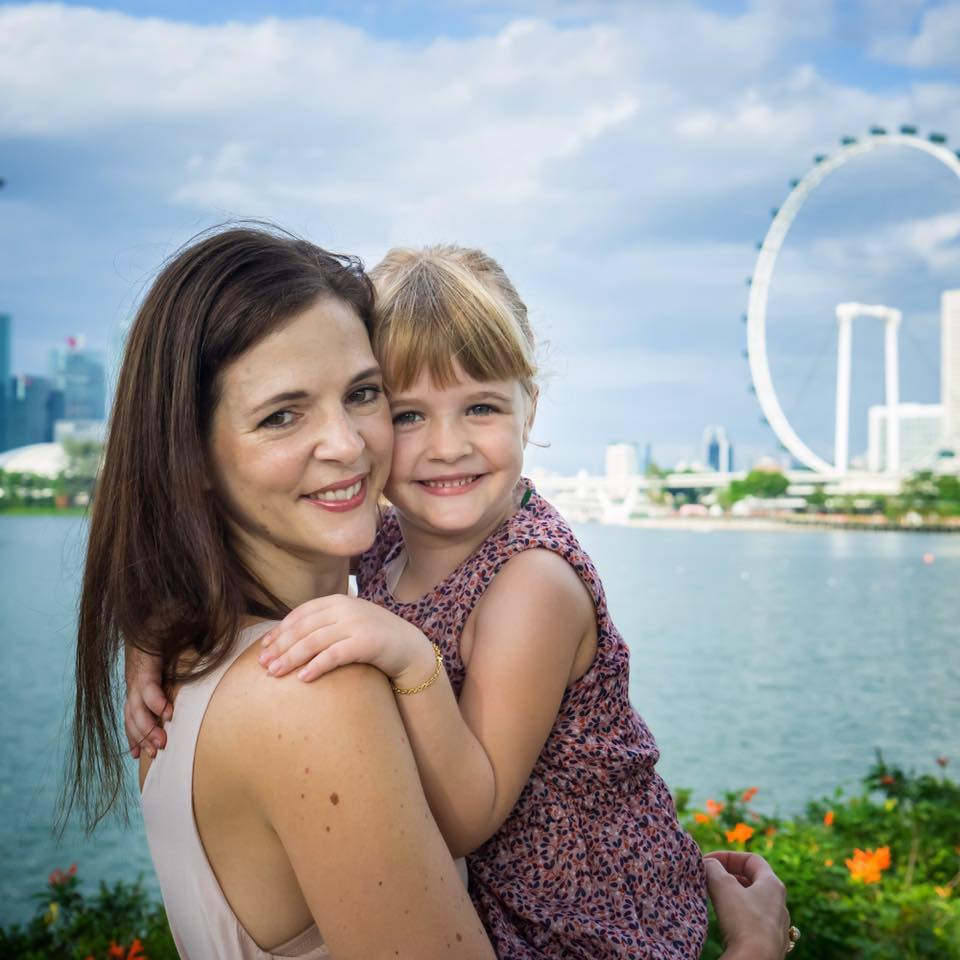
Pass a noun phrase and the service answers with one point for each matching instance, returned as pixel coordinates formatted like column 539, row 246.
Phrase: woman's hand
column 146, row 707
column 751, row 905
column 329, row 632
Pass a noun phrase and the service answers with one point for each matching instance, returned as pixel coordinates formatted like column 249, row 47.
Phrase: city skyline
column 621, row 182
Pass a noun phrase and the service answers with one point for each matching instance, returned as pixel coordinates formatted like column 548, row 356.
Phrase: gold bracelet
column 406, row 691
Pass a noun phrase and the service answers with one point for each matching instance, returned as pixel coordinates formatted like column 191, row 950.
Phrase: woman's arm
column 330, row 767
column 751, row 905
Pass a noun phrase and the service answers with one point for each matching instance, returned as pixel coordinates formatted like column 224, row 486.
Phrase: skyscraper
column 80, row 374
column 621, row 460
column 31, row 404
column 950, row 369
column 717, row 450
column 5, row 324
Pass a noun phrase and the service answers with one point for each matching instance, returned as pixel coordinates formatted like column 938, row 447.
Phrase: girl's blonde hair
column 444, row 306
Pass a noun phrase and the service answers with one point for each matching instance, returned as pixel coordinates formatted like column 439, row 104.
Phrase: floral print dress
column 592, row 863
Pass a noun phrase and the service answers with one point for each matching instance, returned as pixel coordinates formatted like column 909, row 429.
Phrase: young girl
column 535, row 764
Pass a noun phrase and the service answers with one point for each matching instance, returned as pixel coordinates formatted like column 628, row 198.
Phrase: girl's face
column 458, row 453
column 300, row 440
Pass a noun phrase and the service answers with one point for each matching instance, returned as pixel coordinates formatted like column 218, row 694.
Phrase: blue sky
column 620, row 159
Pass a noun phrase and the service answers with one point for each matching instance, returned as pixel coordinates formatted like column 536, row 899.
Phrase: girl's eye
column 482, row 409
column 281, row 418
column 367, row 394
column 405, row 418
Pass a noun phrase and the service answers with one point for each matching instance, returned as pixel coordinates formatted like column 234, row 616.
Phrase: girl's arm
column 147, row 706
column 330, row 768
column 474, row 757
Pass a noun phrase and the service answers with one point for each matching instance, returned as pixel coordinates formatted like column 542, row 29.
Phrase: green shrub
column 119, row 922
column 869, row 877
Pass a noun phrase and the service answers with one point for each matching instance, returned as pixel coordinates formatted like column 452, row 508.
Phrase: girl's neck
column 431, row 557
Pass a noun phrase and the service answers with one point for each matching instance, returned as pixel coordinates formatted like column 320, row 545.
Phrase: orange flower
column 828, row 862
column 828, row 819
column 714, row 808
column 886, row 779
column 942, row 891
column 701, row 817
column 867, row 865
column 59, row 877
column 136, row 951
column 770, row 831
column 741, row 833
column 750, row 793
column 116, row 950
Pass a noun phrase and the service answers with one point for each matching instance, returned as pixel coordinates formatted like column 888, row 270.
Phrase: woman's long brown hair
column 160, row 571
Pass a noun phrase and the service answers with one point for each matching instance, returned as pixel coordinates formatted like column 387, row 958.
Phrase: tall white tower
column 621, row 460
column 846, row 313
column 950, row 369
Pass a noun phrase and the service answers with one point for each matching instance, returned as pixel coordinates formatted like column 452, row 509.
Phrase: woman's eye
column 482, row 410
column 368, row 394
column 407, row 417
column 282, row 418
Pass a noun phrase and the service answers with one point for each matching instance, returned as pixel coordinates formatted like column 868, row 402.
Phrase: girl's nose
column 446, row 442
column 339, row 440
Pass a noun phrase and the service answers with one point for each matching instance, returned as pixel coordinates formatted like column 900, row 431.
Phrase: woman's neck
column 295, row 579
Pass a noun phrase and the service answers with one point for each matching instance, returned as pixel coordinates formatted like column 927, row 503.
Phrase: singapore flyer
column 852, row 150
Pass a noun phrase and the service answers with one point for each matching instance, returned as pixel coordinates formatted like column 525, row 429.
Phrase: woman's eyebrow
column 366, row 374
column 287, row 396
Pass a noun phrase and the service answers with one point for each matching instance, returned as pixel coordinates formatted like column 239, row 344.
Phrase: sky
column 621, row 160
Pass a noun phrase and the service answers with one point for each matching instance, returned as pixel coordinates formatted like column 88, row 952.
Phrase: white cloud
column 619, row 162
column 935, row 44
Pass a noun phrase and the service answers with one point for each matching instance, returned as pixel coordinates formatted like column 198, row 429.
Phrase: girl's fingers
column 142, row 726
column 284, row 639
column 338, row 654
column 303, row 650
column 155, row 700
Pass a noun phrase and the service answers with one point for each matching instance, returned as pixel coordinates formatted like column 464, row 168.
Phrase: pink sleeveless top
column 201, row 921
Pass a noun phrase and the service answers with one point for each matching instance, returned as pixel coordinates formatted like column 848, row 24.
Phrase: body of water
column 770, row 659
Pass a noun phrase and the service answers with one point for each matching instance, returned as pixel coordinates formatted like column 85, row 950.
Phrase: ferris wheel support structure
column 763, row 272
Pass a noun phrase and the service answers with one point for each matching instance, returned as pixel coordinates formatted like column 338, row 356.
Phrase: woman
column 249, row 441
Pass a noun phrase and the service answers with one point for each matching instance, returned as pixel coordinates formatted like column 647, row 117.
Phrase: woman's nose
column 339, row 440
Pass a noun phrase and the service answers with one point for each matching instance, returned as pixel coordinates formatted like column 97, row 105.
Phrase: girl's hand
column 146, row 706
column 751, row 905
column 328, row 632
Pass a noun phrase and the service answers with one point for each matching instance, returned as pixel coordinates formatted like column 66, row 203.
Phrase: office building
column 32, row 405
column 921, row 433
column 950, row 370
column 81, row 375
column 717, row 450
column 621, row 460
column 5, row 324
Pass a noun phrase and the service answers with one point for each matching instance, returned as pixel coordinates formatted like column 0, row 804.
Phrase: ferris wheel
column 850, row 147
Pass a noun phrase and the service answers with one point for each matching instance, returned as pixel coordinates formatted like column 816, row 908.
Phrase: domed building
column 41, row 459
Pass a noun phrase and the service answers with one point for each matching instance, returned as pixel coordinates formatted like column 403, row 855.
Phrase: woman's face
column 300, row 440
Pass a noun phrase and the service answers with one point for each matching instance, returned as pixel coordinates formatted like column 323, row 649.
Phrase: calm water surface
column 778, row 660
